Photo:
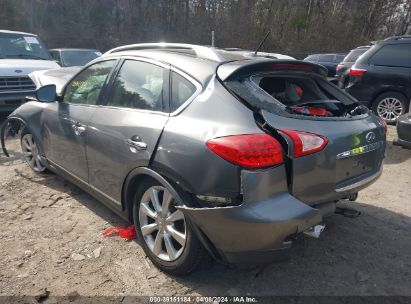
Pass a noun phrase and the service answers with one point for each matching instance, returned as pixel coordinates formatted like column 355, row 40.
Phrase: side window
column 181, row 90
column 396, row 55
column 138, row 85
column 85, row 88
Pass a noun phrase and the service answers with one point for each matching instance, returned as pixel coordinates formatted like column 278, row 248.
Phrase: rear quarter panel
column 182, row 154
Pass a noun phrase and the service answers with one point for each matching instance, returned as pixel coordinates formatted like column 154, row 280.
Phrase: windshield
column 78, row 57
column 22, row 46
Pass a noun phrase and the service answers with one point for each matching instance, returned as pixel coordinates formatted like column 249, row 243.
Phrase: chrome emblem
column 18, row 71
column 370, row 136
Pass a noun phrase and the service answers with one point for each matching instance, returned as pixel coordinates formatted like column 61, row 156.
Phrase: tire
column 31, row 152
column 187, row 254
column 390, row 105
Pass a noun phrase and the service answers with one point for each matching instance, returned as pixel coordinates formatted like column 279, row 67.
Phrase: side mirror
column 46, row 93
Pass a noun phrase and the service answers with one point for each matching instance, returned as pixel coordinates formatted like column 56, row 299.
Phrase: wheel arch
column 387, row 90
column 23, row 126
column 132, row 182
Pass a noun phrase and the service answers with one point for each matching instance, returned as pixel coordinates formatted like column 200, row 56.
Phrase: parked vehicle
column 206, row 154
column 404, row 131
column 343, row 68
column 380, row 78
column 20, row 54
column 74, row 57
column 330, row 61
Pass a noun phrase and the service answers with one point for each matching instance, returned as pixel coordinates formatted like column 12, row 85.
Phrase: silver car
column 206, row 151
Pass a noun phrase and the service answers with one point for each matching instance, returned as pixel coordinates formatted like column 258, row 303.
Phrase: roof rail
column 201, row 51
column 398, row 37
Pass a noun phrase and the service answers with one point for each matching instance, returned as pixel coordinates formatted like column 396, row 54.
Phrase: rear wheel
column 31, row 152
column 389, row 106
column 163, row 231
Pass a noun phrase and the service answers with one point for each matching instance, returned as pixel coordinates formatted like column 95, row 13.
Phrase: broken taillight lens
column 383, row 123
column 357, row 72
column 248, row 150
column 306, row 143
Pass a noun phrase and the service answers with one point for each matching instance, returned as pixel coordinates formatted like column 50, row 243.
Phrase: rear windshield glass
column 354, row 54
column 295, row 93
column 339, row 58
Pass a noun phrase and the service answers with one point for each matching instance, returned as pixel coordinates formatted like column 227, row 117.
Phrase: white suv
column 20, row 54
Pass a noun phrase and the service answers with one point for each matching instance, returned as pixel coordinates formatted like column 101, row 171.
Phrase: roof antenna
column 262, row 42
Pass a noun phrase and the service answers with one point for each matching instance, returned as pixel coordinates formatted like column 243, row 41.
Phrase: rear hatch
column 333, row 146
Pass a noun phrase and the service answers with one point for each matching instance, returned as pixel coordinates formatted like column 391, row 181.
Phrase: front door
column 66, row 122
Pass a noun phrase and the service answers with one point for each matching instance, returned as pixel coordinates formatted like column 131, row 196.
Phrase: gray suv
column 206, row 151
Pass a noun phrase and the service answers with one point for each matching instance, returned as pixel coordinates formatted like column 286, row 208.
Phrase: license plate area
column 353, row 166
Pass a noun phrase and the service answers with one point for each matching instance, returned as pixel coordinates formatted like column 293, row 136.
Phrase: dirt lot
column 44, row 220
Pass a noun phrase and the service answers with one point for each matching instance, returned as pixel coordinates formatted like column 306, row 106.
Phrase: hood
column 22, row 67
column 59, row 77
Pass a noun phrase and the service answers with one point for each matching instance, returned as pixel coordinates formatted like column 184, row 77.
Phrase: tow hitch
column 314, row 231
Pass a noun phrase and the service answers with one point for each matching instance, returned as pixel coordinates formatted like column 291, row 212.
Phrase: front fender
column 29, row 116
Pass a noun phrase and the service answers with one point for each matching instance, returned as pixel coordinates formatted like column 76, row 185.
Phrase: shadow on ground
column 368, row 255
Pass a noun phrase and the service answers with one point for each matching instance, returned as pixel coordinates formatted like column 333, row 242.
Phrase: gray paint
column 100, row 161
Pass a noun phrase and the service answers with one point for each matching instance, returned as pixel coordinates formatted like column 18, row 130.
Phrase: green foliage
column 299, row 20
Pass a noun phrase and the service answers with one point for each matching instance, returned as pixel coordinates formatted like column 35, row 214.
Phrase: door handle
column 135, row 142
column 78, row 128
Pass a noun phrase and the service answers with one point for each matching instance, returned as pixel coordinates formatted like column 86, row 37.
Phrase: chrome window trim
column 185, row 104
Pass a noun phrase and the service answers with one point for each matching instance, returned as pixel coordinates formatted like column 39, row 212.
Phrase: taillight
column 248, row 150
column 383, row 123
column 339, row 67
column 306, row 143
column 357, row 72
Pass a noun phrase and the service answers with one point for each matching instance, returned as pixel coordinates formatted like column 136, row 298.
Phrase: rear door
column 390, row 68
column 124, row 131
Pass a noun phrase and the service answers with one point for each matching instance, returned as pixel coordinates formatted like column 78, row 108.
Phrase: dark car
column 343, row 68
column 74, row 57
column 380, row 78
column 204, row 154
column 330, row 61
column 404, row 131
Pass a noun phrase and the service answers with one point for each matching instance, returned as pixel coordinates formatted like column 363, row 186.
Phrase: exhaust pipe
column 314, row 231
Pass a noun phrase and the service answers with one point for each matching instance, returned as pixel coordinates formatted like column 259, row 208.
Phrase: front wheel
column 31, row 152
column 163, row 231
column 389, row 106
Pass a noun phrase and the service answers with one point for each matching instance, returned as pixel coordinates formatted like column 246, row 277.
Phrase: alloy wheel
column 389, row 108
column 163, row 227
column 31, row 153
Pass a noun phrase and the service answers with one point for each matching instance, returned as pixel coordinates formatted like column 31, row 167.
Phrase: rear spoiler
column 244, row 68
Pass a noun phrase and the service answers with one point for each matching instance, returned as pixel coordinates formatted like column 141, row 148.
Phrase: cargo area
column 333, row 146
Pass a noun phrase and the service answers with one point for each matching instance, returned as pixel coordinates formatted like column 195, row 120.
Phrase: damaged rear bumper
column 256, row 232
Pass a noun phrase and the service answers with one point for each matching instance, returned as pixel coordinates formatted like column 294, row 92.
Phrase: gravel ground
column 50, row 237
